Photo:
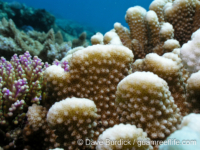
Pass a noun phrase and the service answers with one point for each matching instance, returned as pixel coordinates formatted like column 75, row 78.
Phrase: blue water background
column 100, row 14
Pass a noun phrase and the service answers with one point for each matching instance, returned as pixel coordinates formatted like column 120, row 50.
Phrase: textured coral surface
column 138, row 83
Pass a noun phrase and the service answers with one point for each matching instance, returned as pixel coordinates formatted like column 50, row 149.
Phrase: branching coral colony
column 48, row 46
column 132, row 85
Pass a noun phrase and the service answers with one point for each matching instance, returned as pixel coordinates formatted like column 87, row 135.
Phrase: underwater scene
column 100, row 75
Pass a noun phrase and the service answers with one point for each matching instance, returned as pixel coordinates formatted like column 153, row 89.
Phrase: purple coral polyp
column 21, row 81
column 21, row 86
column 64, row 64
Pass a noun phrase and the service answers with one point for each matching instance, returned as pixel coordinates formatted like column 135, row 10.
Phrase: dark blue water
column 101, row 14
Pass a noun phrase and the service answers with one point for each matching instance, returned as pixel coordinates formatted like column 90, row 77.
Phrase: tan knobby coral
column 144, row 99
column 73, row 119
column 146, row 33
column 121, row 137
column 170, row 68
column 94, row 73
column 184, row 15
column 37, row 127
column 193, row 92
